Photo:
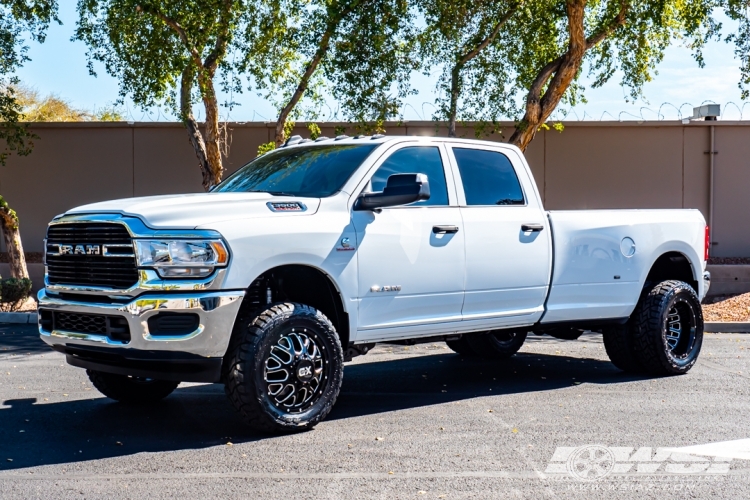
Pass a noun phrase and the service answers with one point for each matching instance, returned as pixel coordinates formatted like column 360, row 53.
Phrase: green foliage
column 137, row 45
column 52, row 108
column 14, row 292
column 362, row 48
column 495, row 84
column 314, row 130
column 18, row 18
column 737, row 10
column 288, row 129
column 266, row 147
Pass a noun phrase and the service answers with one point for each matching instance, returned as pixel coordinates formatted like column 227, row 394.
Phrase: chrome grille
column 99, row 270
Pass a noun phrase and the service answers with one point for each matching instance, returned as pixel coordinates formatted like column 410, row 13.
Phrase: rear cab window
column 488, row 178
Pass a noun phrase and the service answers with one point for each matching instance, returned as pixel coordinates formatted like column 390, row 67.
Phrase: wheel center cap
column 304, row 370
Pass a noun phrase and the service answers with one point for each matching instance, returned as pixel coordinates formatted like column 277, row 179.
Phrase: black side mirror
column 401, row 189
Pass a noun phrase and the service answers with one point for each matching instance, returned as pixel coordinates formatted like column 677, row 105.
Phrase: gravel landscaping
column 727, row 308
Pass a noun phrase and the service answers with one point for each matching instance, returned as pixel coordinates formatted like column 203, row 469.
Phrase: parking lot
column 556, row 421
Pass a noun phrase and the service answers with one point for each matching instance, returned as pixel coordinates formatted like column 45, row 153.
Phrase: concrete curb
column 727, row 327
column 18, row 317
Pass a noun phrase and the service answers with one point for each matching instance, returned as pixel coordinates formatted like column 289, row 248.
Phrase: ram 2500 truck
column 313, row 253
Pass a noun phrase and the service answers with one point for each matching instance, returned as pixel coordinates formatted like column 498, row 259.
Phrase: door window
column 415, row 160
column 488, row 178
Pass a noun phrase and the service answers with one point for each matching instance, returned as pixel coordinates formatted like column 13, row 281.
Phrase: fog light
column 184, row 272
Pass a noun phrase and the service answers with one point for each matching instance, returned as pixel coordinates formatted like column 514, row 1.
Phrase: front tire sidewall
column 245, row 383
column 331, row 373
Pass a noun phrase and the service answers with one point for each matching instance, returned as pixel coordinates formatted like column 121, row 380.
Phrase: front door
column 410, row 258
column 508, row 245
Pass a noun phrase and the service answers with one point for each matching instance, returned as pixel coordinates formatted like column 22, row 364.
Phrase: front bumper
column 145, row 354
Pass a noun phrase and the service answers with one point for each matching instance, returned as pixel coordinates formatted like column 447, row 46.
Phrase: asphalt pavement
column 556, row 421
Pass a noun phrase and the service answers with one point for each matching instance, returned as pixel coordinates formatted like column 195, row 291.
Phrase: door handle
column 444, row 229
column 531, row 227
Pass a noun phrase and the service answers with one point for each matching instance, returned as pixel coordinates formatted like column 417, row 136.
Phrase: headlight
column 182, row 258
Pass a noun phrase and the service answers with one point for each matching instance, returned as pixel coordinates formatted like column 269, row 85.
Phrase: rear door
column 411, row 274
column 508, row 241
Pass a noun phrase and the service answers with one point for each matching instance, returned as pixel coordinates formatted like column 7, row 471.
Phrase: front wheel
column 284, row 372
column 668, row 329
column 497, row 344
column 132, row 390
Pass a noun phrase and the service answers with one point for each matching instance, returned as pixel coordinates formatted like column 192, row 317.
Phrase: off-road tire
column 660, row 346
column 246, row 367
column 131, row 390
column 496, row 344
column 461, row 346
column 618, row 342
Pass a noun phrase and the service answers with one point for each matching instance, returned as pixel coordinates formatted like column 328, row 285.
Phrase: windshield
column 316, row 171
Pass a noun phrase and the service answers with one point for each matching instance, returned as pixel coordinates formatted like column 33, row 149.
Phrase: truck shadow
column 21, row 339
column 35, row 433
column 394, row 385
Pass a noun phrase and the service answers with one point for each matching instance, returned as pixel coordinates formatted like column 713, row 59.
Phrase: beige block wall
column 587, row 165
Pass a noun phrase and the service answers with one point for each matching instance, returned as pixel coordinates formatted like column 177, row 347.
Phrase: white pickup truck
column 311, row 254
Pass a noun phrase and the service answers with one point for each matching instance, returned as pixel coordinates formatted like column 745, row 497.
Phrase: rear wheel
column 461, row 346
column 668, row 329
column 497, row 344
column 618, row 342
column 133, row 390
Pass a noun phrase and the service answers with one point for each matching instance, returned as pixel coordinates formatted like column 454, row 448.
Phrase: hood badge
column 346, row 246
column 286, row 206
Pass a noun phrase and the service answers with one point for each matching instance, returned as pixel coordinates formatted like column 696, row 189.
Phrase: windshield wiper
column 275, row 193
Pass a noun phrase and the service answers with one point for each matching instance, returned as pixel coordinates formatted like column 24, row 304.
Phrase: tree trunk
column 560, row 73
column 300, row 90
column 12, row 236
column 541, row 102
column 213, row 134
column 461, row 60
column 194, row 133
column 455, row 91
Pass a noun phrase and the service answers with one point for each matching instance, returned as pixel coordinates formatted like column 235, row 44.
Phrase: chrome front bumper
column 216, row 310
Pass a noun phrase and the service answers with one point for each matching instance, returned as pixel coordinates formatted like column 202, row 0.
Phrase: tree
column 737, row 10
column 9, row 224
column 354, row 48
column 537, row 58
column 457, row 32
column 18, row 18
column 52, row 108
column 168, row 51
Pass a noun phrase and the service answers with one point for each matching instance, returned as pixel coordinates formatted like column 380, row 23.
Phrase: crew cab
column 311, row 254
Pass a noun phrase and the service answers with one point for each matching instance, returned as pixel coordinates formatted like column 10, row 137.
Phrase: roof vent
column 377, row 136
column 342, row 136
column 322, row 138
column 293, row 140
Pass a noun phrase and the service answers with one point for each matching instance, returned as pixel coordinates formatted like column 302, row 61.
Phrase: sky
column 59, row 66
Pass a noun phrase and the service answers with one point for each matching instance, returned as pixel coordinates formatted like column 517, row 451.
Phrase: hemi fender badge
column 286, row 206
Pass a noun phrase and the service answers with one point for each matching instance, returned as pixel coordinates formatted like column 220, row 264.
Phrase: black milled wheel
column 461, row 346
column 618, row 342
column 668, row 329
column 133, row 390
column 284, row 371
column 496, row 344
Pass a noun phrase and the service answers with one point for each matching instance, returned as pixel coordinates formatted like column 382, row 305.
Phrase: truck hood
column 197, row 209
